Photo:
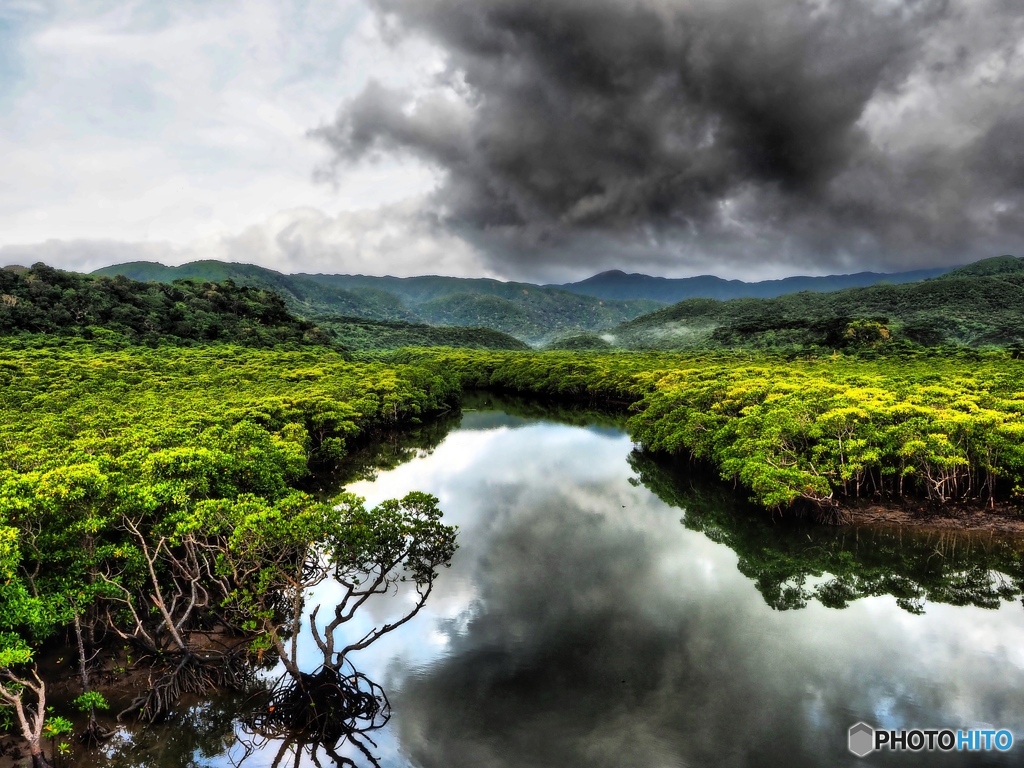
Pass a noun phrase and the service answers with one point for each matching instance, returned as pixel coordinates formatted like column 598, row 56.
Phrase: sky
column 539, row 140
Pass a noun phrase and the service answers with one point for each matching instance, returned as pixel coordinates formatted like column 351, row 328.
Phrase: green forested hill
column 302, row 294
column 998, row 266
column 529, row 312
column 981, row 304
column 357, row 334
column 42, row 300
column 533, row 315
column 47, row 301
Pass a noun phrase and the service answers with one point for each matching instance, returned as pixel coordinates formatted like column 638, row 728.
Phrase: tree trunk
column 38, row 758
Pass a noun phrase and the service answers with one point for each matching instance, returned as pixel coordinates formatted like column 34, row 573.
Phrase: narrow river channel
column 607, row 609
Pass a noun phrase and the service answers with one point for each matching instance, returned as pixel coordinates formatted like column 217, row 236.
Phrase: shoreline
column 1004, row 518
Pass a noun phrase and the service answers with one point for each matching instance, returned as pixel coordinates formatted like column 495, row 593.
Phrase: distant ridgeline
column 978, row 305
column 619, row 285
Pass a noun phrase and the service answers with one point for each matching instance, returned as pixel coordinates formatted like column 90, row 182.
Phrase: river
column 608, row 609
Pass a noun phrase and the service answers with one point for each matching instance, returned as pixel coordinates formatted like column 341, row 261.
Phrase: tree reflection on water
column 793, row 563
column 317, row 715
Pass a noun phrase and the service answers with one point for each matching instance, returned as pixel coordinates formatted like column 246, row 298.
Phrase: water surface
column 606, row 609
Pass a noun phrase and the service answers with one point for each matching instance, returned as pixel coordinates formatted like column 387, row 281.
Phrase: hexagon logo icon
column 862, row 739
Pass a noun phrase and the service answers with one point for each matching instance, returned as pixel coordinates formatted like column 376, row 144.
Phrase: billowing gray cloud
column 684, row 134
column 402, row 238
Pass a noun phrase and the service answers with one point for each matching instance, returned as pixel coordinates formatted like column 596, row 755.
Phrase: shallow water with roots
column 607, row 609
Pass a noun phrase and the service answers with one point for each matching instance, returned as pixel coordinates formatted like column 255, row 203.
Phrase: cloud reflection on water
column 581, row 624
column 586, row 627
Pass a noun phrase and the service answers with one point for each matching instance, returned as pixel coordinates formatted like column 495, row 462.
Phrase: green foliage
column 869, row 333
column 91, row 700
column 270, row 553
column 57, row 726
column 303, row 294
column 408, row 531
column 105, row 456
column 977, row 305
column 370, row 335
column 618, row 285
column 580, row 341
column 813, row 430
column 14, row 651
column 997, row 265
column 532, row 313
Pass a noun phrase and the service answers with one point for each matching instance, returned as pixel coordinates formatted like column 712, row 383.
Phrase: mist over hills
column 531, row 313
column 537, row 314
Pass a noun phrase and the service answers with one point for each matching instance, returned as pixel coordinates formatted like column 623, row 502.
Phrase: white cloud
column 956, row 90
column 395, row 239
column 187, row 122
column 87, row 255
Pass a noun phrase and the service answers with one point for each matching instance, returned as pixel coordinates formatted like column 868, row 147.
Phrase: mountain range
column 981, row 304
column 977, row 305
column 536, row 314
column 616, row 284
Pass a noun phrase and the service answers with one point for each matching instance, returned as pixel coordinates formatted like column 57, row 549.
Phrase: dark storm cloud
column 689, row 133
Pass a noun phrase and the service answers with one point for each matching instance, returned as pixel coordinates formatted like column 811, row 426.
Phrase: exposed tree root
column 191, row 674
column 94, row 733
column 322, row 711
